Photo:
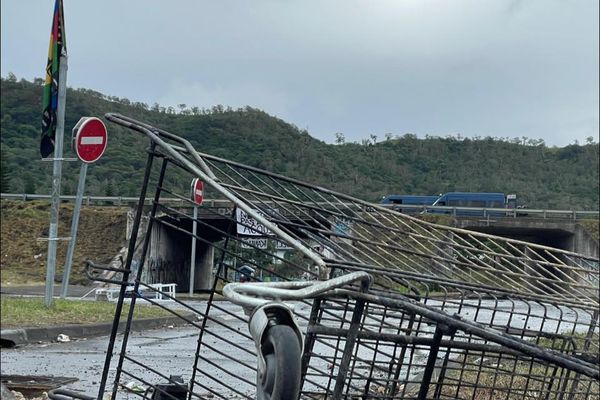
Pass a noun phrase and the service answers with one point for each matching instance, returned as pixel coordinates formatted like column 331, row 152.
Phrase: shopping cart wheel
column 281, row 379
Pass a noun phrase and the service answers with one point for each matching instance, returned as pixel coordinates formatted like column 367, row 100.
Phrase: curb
column 15, row 337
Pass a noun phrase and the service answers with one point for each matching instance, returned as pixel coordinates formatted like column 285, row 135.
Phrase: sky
column 500, row 68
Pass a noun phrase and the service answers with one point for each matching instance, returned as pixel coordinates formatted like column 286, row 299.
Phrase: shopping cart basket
column 342, row 298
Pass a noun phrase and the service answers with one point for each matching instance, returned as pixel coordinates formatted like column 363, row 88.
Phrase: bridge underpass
column 169, row 254
column 566, row 235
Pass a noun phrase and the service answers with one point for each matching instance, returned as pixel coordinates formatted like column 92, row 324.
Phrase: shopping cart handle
column 255, row 294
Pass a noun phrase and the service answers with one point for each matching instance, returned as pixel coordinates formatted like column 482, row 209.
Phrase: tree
column 545, row 176
column 4, row 175
column 109, row 189
column 28, row 184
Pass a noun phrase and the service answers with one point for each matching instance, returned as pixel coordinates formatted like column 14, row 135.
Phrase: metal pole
column 193, row 257
column 74, row 225
column 56, row 175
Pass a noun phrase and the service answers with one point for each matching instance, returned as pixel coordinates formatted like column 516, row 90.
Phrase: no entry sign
column 89, row 139
column 197, row 191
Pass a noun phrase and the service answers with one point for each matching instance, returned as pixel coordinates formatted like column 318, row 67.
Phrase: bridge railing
column 405, row 208
column 492, row 212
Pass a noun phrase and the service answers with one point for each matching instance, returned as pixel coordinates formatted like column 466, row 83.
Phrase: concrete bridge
column 169, row 259
column 566, row 234
column 170, row 254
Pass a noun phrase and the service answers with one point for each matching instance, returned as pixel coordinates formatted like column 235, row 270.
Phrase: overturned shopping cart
column 344, row 299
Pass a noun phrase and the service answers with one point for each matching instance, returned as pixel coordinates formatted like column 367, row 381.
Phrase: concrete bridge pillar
column 584, row 243
column 203, row 277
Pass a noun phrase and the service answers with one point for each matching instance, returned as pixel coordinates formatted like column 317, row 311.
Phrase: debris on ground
column 62, row 338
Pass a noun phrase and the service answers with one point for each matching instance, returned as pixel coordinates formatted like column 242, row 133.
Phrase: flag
column 50, row 97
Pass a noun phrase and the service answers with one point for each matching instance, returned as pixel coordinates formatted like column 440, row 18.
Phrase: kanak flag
column 50, row 98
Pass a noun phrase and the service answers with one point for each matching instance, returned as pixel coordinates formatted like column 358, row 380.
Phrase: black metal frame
column 451, row 314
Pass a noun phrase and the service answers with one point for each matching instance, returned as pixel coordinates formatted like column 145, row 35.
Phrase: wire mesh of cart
column 338, row 298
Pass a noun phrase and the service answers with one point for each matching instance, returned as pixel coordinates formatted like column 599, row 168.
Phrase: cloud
column 478, row 67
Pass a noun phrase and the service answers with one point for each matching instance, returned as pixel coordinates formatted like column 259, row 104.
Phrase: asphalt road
column 171, row 351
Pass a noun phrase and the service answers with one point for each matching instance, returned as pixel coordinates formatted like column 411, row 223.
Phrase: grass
column 31, row 312
column 593, row 228
column 23, row 257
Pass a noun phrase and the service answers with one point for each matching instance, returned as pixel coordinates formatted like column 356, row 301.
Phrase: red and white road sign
column 89, row 139
column 197, row 191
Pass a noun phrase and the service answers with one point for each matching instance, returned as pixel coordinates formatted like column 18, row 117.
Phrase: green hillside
column 541, row 176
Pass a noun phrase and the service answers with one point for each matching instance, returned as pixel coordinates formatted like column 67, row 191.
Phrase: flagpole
column 56, row 176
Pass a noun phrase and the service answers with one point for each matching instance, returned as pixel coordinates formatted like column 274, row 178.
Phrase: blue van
column 477, row 200
column 398, row 199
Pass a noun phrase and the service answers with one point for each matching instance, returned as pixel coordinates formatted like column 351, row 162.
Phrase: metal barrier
column 113, row 200
column 405, row 208
column 382, row 305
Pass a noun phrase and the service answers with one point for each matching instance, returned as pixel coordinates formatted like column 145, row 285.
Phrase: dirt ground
column 23, row 256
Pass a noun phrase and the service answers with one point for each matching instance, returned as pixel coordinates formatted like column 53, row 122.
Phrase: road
column 172, row 351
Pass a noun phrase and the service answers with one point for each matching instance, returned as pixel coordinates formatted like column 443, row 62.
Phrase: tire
column 281, row 351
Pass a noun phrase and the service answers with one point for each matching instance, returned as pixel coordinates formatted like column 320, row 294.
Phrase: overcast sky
column 504, row 68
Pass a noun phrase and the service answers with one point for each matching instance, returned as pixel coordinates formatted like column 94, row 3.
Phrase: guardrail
column 406, row 208
column 113, row 200
column 493, row 212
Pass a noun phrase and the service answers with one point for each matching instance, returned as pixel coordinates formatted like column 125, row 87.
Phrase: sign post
column 197, row 198
column 89, row 142
column 74, row 224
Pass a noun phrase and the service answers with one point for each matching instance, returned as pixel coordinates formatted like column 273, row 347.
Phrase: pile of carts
column 350, row 300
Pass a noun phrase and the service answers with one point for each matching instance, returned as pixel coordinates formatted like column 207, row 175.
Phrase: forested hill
column 541, row 176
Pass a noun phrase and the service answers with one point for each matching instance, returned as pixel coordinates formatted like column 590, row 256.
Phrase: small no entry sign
column 197, row 191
